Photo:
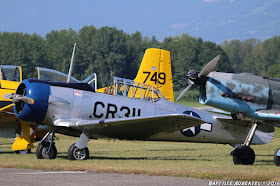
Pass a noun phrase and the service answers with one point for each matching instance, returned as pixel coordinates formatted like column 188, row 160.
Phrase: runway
column 26, row 177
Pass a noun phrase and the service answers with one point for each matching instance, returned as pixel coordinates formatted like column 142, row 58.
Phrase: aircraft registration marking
column 111, row 109
column 156, row 77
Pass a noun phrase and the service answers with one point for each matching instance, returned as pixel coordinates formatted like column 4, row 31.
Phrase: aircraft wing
column 132, row 128
column 215, row 110
column 264, row 127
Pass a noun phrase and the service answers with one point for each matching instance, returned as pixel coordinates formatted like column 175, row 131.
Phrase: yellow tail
column 155, row 70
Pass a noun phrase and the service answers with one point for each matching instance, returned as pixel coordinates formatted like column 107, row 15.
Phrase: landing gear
column 79, row 150
column 244, row 154
column 277, row 157
column 46, row 148
column 46, row 151
column 74, row 153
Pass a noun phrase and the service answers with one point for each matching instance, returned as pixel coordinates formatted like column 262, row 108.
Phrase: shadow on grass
column 267, row 162
column 150, row 158
column 168, row 150
column 7, row 152
column 167, row 158
column 267, row 155
column 6, row 144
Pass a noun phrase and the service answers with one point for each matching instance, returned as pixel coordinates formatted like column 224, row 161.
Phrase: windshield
column 11, row 73
column 51, row 75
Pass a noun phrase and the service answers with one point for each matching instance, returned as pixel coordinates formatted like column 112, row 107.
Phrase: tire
column 277, row 158
column 42, row 151
column 243, row 155
column 74, row 153
column 27, row 151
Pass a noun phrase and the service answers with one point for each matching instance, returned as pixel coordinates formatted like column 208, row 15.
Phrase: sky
column 211, row 20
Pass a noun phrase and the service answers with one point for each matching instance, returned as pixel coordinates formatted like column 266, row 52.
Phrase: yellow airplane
column 155, row 70
column 10, row 78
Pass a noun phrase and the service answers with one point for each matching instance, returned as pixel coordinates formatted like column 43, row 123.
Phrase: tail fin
column 155, row 70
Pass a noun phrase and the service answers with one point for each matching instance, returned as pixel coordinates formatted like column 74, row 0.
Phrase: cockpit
column 129, row 88
column 11, row 73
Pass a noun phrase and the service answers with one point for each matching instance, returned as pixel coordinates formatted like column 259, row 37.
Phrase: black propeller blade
column 196, row 78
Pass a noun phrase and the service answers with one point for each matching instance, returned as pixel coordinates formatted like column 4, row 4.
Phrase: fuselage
column 242, row 93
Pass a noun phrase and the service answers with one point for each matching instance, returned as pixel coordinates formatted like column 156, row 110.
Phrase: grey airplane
column 246, row 97
column 132, row 111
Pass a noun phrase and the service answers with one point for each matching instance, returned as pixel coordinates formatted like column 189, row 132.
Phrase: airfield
column 174, row 159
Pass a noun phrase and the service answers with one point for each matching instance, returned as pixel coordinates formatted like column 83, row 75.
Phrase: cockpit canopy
column 49, row 74
column 129, row 88
column 11, row 73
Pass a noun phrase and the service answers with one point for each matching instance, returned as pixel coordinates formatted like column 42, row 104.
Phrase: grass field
column 195, row 160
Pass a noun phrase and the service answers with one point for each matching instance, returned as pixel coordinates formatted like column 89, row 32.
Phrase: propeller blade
column 8, row 96
column 184, row 91
column 209, row 67
column 19, row 98
column 24, row 99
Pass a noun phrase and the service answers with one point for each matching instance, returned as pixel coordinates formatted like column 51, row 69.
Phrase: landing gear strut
column 244, row 154
column 46, row 148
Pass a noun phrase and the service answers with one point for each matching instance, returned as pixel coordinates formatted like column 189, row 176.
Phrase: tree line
column 110, row 52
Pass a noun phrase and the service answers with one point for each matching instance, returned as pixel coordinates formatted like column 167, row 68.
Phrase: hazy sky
column 214, row 20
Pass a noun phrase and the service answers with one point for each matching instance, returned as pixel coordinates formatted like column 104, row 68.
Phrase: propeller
column 199, row 78
column 19, row 98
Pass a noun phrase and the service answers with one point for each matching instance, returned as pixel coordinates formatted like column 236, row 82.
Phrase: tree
column 110, row 47
column 59, row 47
column 86, row 54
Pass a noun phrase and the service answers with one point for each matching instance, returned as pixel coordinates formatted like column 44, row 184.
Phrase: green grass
column 195, row 160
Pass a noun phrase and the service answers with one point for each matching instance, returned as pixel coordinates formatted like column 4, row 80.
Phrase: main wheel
column 43, row 152
column 74, row 153
column 277, row 157
column 243, row 155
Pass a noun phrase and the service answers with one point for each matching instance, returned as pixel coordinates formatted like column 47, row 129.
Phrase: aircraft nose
column 31, row 103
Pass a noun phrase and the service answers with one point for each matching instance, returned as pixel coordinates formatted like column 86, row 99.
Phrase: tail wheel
column 23, row 151
column 43, row 151
column 74, row 153
column 277, row 157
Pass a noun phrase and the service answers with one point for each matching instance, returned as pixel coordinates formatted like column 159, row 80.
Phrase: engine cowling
column 39, row 92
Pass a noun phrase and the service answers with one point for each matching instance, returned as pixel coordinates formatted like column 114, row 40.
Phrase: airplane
column 132, row 111
column 244, row 96
column 155, row 65
column 10, row 78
